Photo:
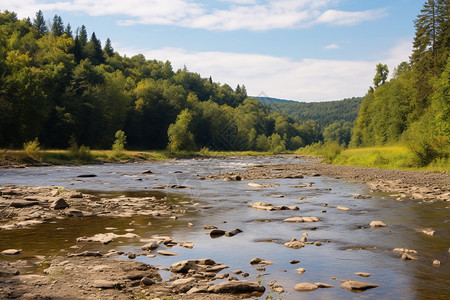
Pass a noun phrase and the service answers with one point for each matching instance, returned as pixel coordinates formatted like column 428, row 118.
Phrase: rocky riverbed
column 113, row 274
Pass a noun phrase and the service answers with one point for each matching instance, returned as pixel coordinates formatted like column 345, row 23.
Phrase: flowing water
column 349, row 245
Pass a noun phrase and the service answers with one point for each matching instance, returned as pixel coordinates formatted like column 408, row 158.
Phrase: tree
column 381, row 75
column 68, row 31
column 57, row 26
column 93, row 50
column 108, row 49
column 120, row 141
column 82, row 36
column 39, row 23
column 180, row 136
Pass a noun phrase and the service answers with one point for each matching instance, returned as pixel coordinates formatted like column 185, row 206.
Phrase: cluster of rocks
column 21, row 206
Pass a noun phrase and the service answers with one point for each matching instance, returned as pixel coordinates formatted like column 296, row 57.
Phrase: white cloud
column 304, row 80
column 332, row 46
column 237, row 14
column 335, row 17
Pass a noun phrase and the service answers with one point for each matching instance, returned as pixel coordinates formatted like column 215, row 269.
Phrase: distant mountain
column 323, row 113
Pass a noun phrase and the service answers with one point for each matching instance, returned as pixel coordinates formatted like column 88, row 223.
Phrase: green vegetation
column 413, row 108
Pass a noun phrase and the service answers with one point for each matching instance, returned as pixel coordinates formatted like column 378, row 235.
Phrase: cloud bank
column 230, row 15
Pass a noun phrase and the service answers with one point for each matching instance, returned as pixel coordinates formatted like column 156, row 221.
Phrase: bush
column 32, row 149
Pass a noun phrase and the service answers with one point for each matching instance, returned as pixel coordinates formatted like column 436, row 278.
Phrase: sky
column 303, row 50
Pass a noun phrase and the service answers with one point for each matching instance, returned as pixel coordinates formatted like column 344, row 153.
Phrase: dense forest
column 414, row 106
column 64, row 88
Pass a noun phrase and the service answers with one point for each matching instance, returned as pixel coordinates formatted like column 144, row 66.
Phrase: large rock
column 357, row 286
column 237, row 287
column 183, row 285
column 260, row 261
column 305, row 287
column 59, row 204
column 150, row 246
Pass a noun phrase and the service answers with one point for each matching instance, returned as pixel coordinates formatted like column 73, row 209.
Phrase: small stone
column 407, row 256
column 300, row 271
column 216, row 233
column 147, row 281
column 190, row 224
column 374, row 224
column 305, row 287
column 362, row 274
column 323, row 285
column 294, row 261
column 353, row 285
column 436, row 263
column 10, row 252
column 317, row 244
column 59, row 204
column 166, row 253
column 150, row 246
column 343, row 208
column 104, row 284
column 146, row 172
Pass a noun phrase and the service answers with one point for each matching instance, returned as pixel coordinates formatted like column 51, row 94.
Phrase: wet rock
column 294, row 261
column 192, row 264
column 74, row 213
column 260, row 261
column 300, row 271
column 294, row 244
column 86, row 254
column 216, row 233
column 343, row 208
column 323, row 285
column 305, row 287
column 150, row 246
column 237, row 287
column 427, row 231
column 262, row 185
column 105, row 238
column 404, row 250
column 271, row 207
column 233, row 232
column 18, row 203
column 146, row 172
column 188, row 245
column 86, row 175
column 209, row 227
column 362, row 274
column 59, row 204
column 166, row 253
column 302, row 219
column 357, row 286
column 407, row 256
column 374, row 224
column 10, row 252
column 436, row 263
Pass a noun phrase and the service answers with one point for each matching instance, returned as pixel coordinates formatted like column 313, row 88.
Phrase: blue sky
column 305, row 50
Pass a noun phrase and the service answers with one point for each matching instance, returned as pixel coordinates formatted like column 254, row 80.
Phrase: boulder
column 374, row 224
column 59, row 204
column 216, row 233
column 305, row 287
column 237, row 287
column 357, row 286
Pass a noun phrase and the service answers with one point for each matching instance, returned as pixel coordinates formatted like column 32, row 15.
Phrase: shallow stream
column 349, row 245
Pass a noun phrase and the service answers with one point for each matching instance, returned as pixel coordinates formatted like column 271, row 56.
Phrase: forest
column 64, row 88
column 413, row 107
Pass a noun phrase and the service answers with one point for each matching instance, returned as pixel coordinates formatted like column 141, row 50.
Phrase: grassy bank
column 386, row 157
column 86, row 156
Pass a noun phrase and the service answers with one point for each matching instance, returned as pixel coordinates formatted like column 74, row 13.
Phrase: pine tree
column 57, row 26
column 108, row 49
column 82, row 36
column 93, row 50
column 68, row 31
column 39, row 23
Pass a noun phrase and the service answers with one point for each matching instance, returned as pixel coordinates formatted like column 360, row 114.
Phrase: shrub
column 33, row 150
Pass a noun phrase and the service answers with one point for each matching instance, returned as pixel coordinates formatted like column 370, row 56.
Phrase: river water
column 349, row 245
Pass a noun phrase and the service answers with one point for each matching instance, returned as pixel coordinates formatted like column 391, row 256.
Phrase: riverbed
column 339, row 245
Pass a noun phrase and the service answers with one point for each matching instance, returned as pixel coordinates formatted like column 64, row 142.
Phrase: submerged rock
column 237, row 287
column 357, row 286
column 305, row 287
column 271, row 207
column 374, row 224
column 302, row 219
column 294, row 244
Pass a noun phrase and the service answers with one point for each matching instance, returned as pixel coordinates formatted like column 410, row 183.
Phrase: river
column 349, row 245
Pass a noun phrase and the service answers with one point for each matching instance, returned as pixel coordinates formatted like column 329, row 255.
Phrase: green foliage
column 381, row 74
column 33, row 150
column 328, row 151
column 118, row 146
column 180, row 136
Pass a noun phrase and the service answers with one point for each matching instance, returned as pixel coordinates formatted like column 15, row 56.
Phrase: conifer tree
column 108, row 49
column 39, row 23
column 57, row 26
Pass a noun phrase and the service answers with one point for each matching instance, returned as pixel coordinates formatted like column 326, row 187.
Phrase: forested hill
column 64, row 88
column 414, row 106
column 323, row 113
